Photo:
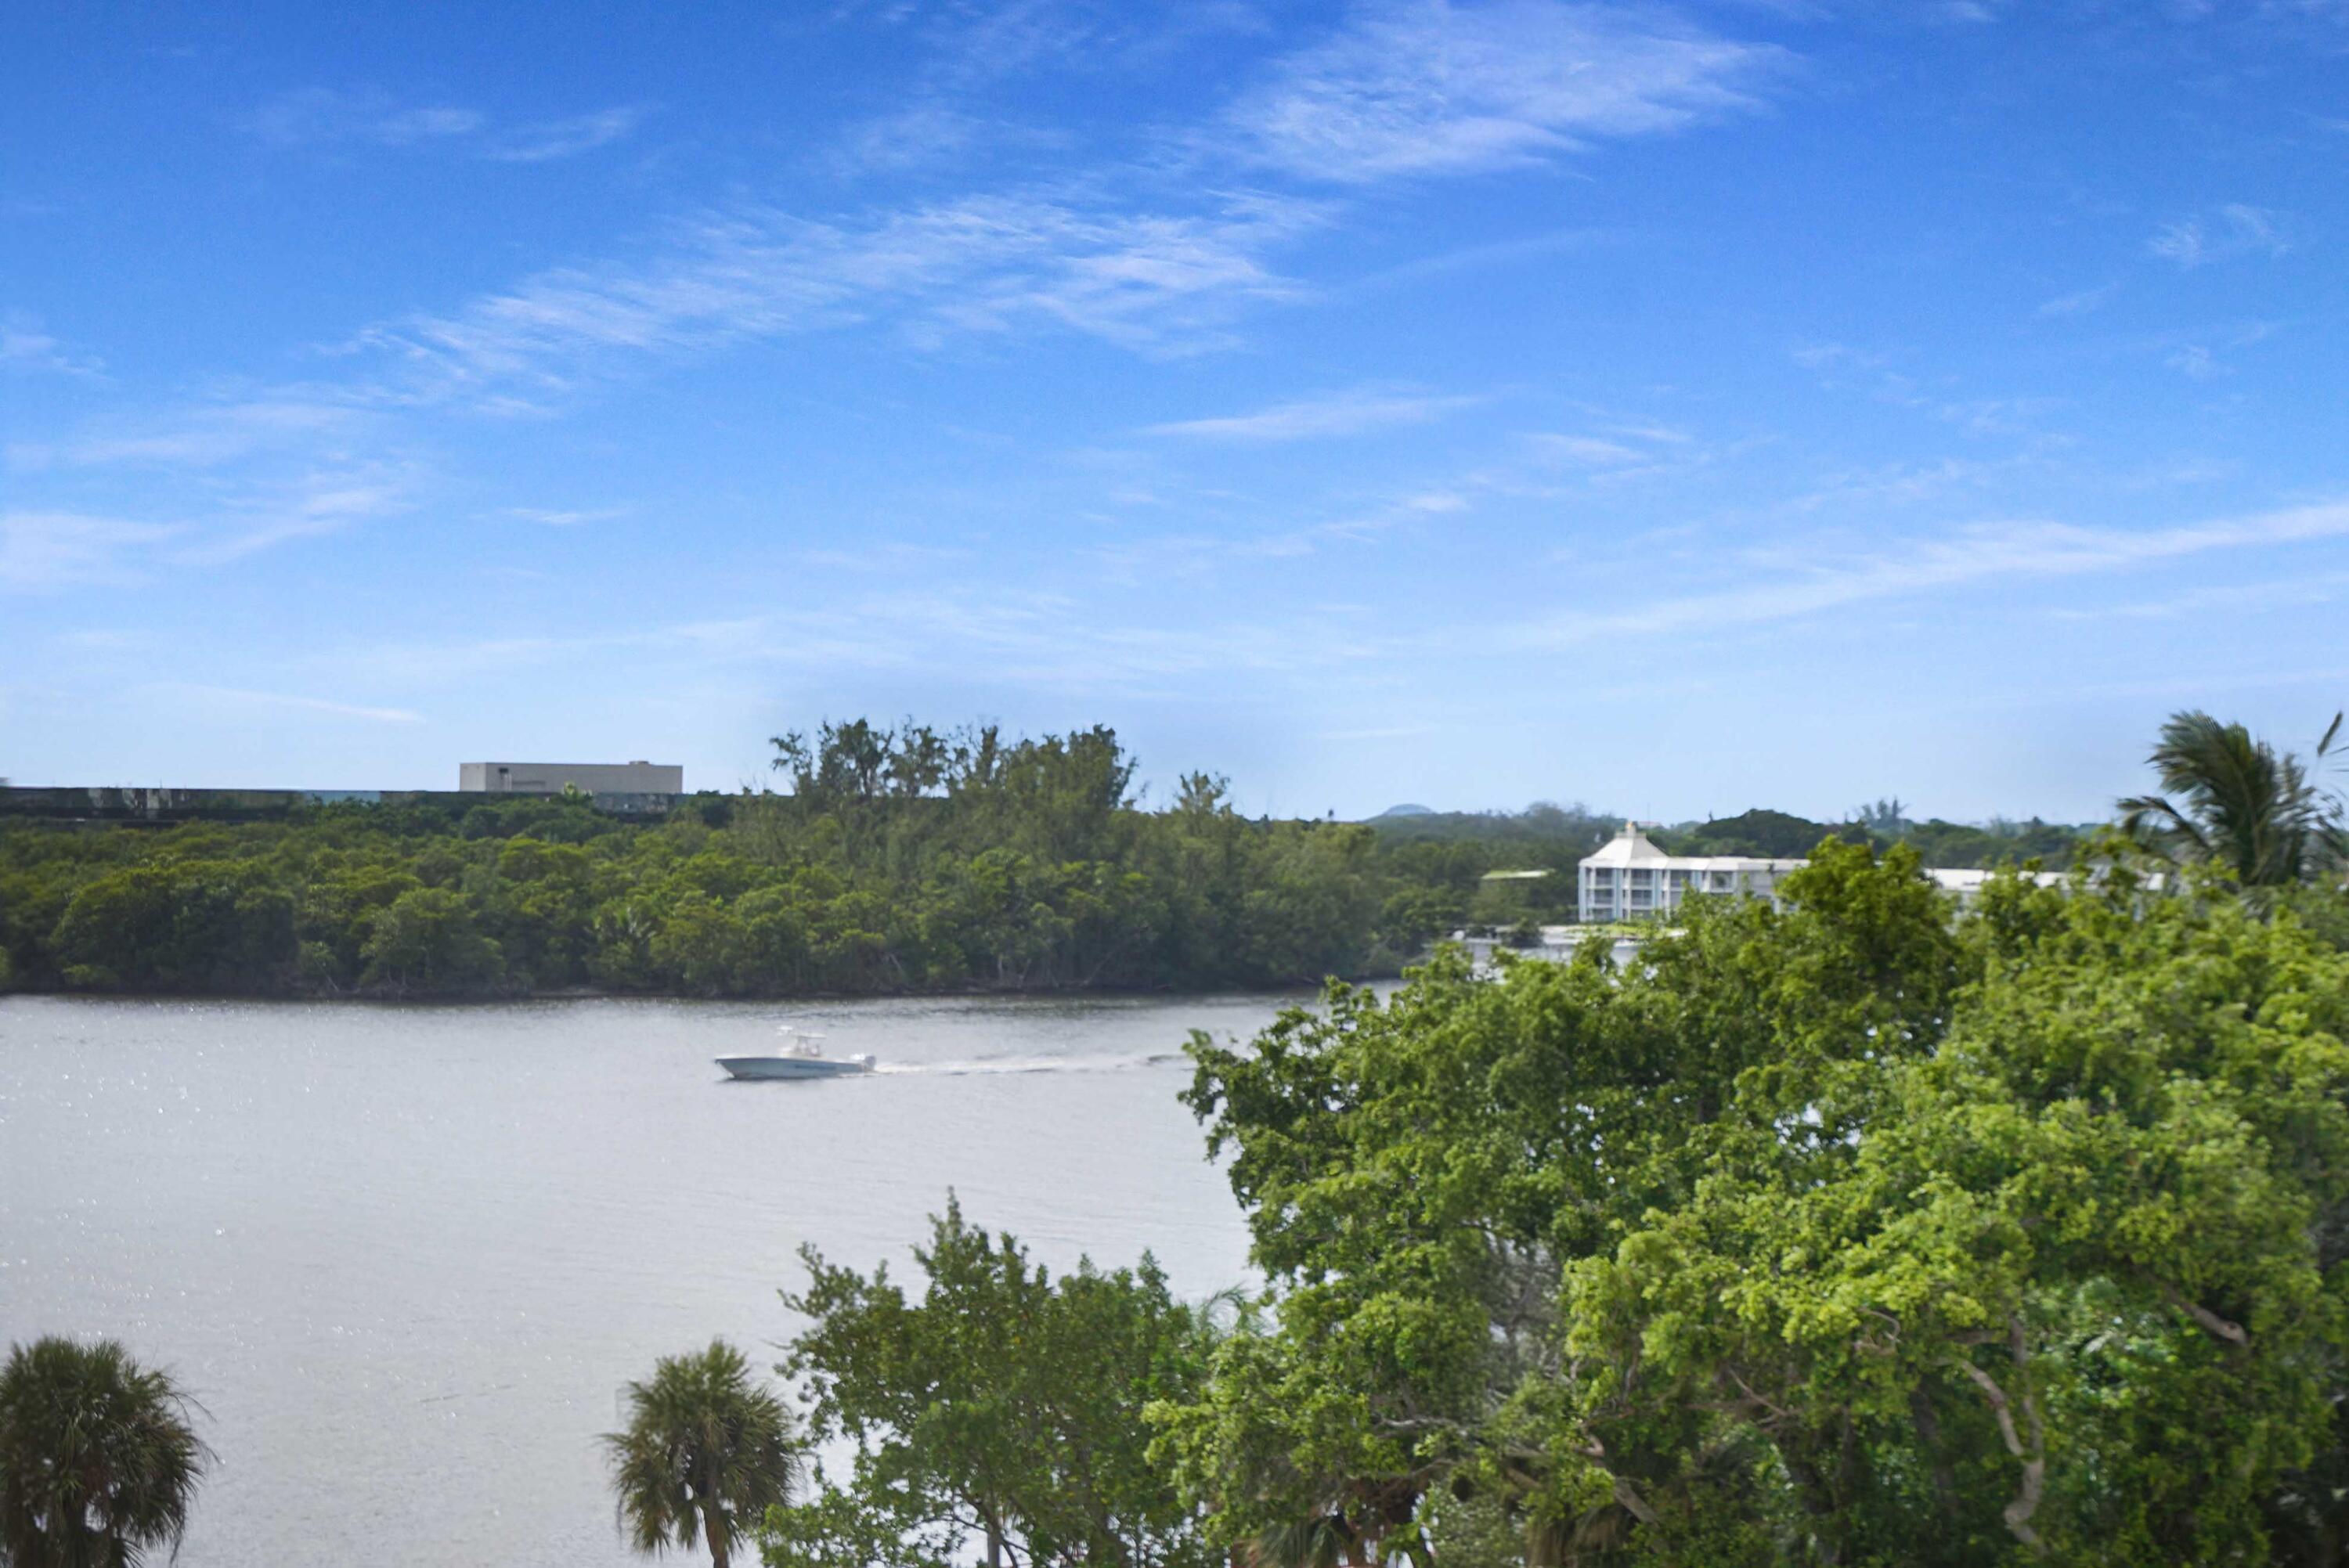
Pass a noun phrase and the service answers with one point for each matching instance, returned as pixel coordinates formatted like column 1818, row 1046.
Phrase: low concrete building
column 554, row 778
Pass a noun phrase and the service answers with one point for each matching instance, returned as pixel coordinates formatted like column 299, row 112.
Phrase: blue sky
column 1672, row 409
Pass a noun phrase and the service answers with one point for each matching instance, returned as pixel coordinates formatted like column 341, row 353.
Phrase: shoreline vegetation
column 896, row 861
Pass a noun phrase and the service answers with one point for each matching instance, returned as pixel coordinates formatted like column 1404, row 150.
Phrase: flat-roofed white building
column 1630, row 878
column 554, row 778
column 1965, row 884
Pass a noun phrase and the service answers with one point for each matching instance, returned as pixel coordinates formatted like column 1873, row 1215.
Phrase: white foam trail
column 1004, row 1065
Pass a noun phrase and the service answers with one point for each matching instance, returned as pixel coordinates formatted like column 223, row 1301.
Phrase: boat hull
column 792, row 1067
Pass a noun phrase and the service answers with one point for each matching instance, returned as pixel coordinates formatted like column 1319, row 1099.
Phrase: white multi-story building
column 1630, row 878
column 592, row 777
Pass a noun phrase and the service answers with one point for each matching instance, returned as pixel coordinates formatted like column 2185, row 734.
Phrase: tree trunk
column 715, row 1533
column 1927, row 1422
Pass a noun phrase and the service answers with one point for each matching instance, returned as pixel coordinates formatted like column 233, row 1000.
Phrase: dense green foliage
column 1776, row 835
column 1848, row 1234
column 898, row 860
column 1001, row 1411
column 1440, row 858
column 97, row 1460
column 706, row 1453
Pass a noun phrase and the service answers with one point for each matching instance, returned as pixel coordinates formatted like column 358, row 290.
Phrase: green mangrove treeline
column 894, row 858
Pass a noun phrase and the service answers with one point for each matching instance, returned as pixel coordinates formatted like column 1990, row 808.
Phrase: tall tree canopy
column 1000, row 1414
column 1845, row 1233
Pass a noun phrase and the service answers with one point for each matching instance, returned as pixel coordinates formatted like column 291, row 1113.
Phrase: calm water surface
column 405, row 1256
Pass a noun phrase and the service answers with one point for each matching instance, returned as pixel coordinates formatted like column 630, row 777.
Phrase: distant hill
column 1760, row 832
column 1556, row 836
column 1778, row 835
column 1573, row 830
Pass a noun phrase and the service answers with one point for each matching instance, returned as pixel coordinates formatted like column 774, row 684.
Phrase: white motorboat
column 797, row 1056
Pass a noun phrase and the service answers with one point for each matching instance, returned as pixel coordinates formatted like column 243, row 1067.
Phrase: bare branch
column 1633, row 1503
column 2032, row 1454
column 2219, row 1327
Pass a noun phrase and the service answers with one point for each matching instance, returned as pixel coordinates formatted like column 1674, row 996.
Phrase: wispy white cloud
column 554, row 138
column 1426, row 86
column 307, row 507
column 932, row 136
column 2196, row 362
column 1832, row 358
column 1990, row 552
column 921, row 136
column 25, row 346
column 2315, row 588
column 1351, row 413
column 2235, row 230
column 237, row 696
column 973, row 44
column 2003, row 416
column 1588, row 451
column 313, row 117
column 53, row 547
column 1475, row 258
column 321, row 117
column 1149, row 280
column 49, row 549
column 892, row 556
column 1386, row 732
column 2081, row 301
column 1610, row 453
column 1902, row 483
column 200, row 436
column 558, row 516
column 1019, row 637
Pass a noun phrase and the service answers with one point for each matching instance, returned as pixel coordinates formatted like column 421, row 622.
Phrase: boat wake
column 995, row 1066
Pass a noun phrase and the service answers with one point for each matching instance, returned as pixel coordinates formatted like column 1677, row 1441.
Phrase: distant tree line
column 894, row 859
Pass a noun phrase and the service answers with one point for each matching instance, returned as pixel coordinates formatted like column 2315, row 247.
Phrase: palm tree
column 705, row 1449
column 98, row 1460
column 2241, row 805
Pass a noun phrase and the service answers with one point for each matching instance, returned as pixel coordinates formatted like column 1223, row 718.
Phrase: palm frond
column 705, row 1448
column 2235, row 802
column 98, row 1460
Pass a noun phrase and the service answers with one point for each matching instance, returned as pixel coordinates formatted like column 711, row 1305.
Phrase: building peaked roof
column 1631, row 846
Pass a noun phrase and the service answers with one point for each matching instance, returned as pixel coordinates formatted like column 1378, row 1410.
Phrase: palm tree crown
column 705, row 1449
column 98, row 1460
column 2240, row 804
